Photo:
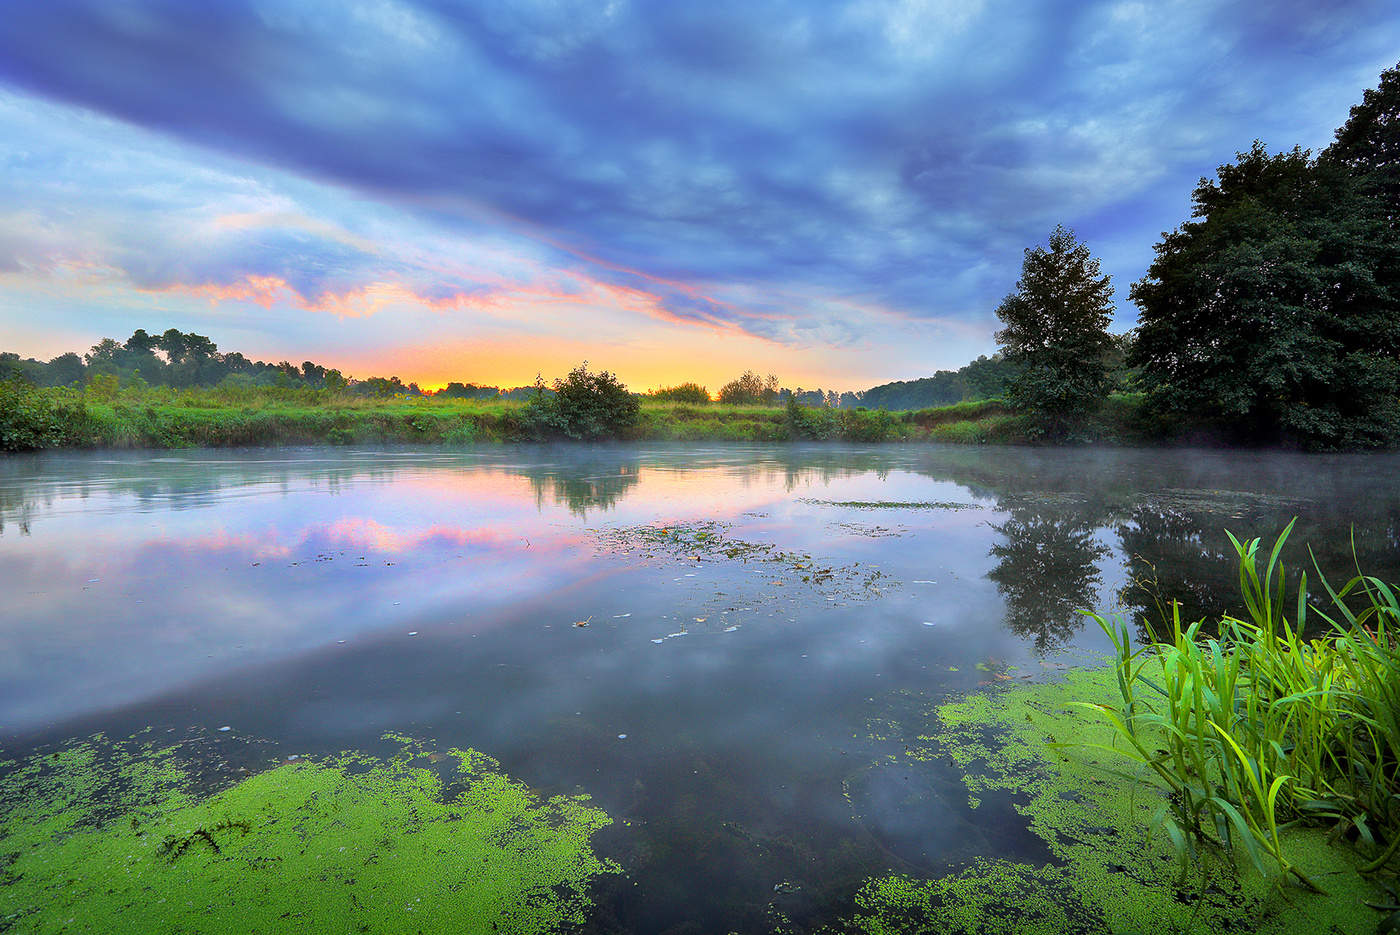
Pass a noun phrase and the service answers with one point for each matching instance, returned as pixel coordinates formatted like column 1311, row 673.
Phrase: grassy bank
column 40, row 418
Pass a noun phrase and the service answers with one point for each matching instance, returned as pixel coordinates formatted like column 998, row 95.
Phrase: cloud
column 683, row 162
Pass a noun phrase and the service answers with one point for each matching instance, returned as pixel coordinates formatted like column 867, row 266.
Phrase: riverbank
column 34, row 419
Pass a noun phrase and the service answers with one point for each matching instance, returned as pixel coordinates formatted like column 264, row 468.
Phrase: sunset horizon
column 840, row 196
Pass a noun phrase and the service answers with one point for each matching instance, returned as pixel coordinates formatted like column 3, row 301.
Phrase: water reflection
column 1047, row 569
column 580, row 492
column 464, row 531
column 722, row 706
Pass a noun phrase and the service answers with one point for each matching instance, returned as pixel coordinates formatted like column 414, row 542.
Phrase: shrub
column 750, row 389
column 584, row 405
column 31, row 418
column 685, row 393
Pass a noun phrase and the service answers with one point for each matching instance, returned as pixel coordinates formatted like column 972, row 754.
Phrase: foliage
column 984, row 378
column 583, row 405
column 1056, row 335
column 240, row 412
column 1275, row 312
column 31, row 419
column 825, row 423
column 1368, row 144
column 1263, row 726
column 457, row 390
column 102, row 387
column 750, row 389
column 684, row 393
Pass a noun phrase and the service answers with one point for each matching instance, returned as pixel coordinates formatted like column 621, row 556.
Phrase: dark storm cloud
column 904, row 152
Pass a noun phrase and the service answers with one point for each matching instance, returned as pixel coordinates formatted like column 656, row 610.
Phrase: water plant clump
column 104, row 838
column 893, row 504
column 1261, row 727
column 697, row 541
column 1105, row 866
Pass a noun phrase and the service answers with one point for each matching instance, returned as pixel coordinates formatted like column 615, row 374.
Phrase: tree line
column 1272, row 316
column 185, row 359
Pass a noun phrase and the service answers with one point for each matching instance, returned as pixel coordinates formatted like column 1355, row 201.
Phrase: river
column 705, row 639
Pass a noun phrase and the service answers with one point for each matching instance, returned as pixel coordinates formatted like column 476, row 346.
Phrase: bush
column 685, row 393
column 31, row 418
column 584, row 405
column 750, row 390
column 823, row 423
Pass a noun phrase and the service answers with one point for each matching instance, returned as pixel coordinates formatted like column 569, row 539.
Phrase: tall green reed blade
column 1260, row 727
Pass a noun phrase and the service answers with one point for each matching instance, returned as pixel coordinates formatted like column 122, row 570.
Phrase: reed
column 1263, row 726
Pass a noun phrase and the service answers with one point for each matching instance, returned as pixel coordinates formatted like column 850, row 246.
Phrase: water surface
column 717, row 643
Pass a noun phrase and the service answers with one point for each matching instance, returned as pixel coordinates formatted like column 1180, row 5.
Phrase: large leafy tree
column 1056, row 334
column 1274, row 313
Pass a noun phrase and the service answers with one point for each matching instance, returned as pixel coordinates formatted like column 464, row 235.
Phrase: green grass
column 163, row 417
column 1262, row 727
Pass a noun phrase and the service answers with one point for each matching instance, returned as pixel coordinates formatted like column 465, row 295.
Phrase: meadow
column 34, row 418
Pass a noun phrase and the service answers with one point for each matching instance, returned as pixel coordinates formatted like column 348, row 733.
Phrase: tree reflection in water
column 1047, row 569
column 597, row 489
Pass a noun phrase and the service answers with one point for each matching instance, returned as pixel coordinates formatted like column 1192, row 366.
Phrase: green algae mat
column 106, row 836
column 113, row 837
column 1113, row 869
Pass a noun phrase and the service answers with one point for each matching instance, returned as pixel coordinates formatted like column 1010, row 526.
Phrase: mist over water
column 756, row 619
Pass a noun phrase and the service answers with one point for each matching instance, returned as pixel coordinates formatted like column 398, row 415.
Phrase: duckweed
column 1113, row 869
column 104, row 837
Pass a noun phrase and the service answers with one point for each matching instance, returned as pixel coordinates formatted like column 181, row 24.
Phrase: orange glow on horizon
column 665, row 359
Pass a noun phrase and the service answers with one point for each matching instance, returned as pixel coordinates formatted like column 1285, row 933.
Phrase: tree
column 65, row 370
column 1273, row 314
column 750, row 389
column 583, row 405
column 1368, row 144
column 1056, row 334
column 174, row 343
column 141, row 343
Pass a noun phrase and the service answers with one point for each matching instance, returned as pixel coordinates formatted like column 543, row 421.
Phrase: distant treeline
column 185, row 359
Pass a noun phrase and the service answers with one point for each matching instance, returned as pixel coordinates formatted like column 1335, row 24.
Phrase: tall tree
column 1269, row 314
column 1368, row 144
column 1056, row 335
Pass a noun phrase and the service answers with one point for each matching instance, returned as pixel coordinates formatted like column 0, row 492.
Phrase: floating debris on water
column 707, row 539
column 871, row 532
column 893, row 504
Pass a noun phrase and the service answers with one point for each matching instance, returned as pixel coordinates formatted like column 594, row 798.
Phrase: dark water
column 724, row 701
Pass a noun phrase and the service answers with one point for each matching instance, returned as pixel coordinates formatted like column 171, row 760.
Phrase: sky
column 839, row 193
